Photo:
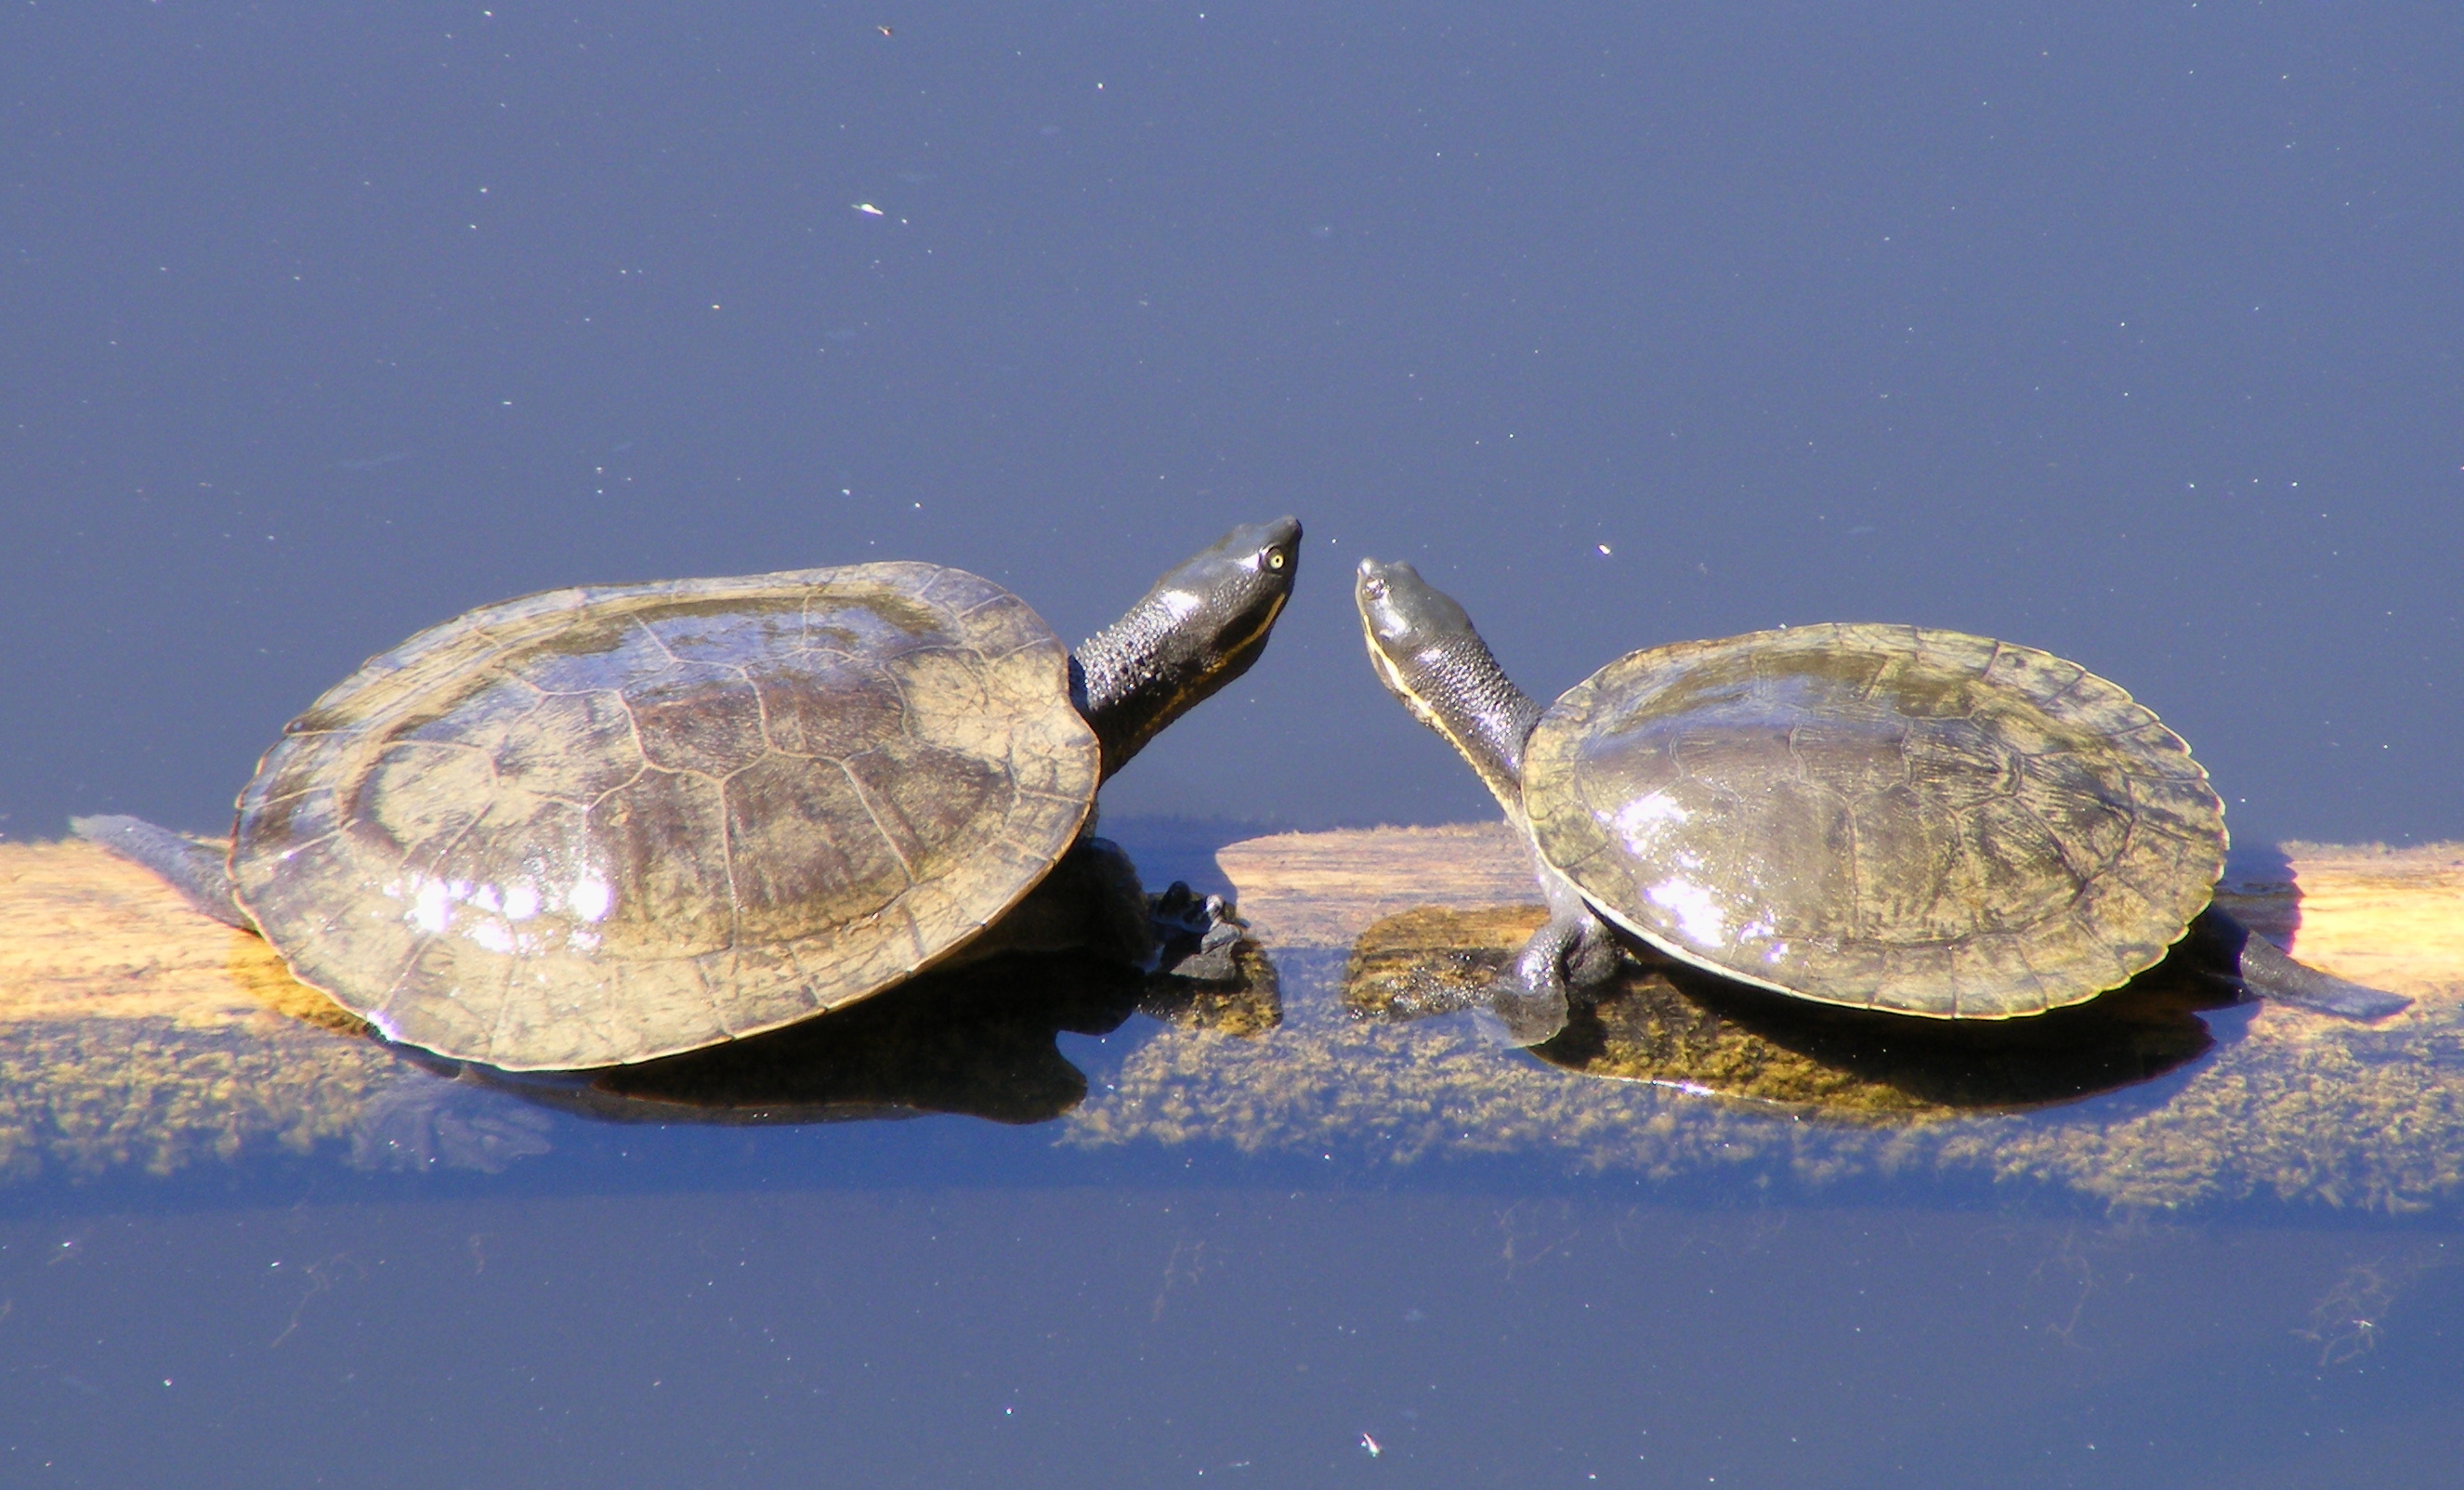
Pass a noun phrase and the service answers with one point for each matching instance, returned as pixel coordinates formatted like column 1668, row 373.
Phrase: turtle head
column 1427, row 653
column 1197, row 628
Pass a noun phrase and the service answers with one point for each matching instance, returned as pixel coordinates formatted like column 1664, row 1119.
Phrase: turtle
column 1889, row 818
column 597, row 827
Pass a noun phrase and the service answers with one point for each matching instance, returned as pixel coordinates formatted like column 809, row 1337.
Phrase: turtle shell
column 600, row 826
column 1914, row 820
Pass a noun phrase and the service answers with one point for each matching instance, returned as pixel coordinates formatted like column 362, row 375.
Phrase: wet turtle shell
column 600, row 825
column 1884, row 817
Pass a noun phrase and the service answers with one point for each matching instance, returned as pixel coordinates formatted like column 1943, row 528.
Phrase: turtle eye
column 1274, row 559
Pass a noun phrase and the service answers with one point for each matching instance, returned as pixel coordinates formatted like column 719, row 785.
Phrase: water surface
column 2130, row 336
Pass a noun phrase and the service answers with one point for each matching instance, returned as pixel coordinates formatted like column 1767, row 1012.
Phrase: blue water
column 2131, row 333
column 942, row 1300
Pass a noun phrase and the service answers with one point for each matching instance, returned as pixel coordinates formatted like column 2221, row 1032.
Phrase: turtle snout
column 1379, row 579
column 1401, row 610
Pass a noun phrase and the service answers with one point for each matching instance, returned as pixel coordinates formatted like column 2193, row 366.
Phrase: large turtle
column 597, row 827
column 1888, row 818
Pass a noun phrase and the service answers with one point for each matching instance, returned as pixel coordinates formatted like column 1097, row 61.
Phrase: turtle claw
column 1214, row 961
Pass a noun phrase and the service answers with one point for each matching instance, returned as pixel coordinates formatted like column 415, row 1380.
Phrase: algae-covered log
column 2238, row 1102
column 137, row 1033
column 2380, row 917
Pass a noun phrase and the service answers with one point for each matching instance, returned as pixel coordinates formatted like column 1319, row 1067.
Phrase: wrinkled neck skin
column 1144, row 671
column 1454, row 687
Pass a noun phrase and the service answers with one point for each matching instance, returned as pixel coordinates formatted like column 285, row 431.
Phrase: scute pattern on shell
column 1884, row 817
column 600, row 825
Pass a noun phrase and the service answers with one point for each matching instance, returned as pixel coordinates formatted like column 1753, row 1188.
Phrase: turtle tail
column 2265, row 972
column 198, row 869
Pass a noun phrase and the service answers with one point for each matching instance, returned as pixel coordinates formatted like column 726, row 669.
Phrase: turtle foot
column 426, row 1121
column 1528, row 1003
column 1199, row 937
column 1523, row 1016
column 1210, row 975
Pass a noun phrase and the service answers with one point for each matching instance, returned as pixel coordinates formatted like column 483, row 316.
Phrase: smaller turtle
column 1887, row 818
column 599, row 827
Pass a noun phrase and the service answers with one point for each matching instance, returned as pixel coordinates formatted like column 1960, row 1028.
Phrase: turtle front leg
column 1575, row 950
column 1199, row 935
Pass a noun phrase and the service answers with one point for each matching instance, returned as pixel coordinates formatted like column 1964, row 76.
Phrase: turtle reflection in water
column 1659, row 1020
column 599, row 826
column 1885, row 817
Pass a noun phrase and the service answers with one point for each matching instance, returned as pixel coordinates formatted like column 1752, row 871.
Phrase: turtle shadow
column 979, row 1042
column 976, row 1040
column 1672, row 1024
column 1721, row 1036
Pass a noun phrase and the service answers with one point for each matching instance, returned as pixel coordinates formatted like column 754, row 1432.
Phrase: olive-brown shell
column 600, row 825
column 1884, row 817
